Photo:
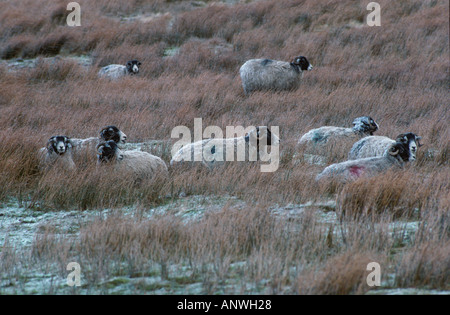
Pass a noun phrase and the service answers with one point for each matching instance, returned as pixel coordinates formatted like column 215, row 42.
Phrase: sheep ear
column 418, row 139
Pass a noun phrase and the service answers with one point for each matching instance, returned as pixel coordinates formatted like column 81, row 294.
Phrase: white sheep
column 377, row 145
column 267, row 74
column 362, row 127
column 117, row 71
column 57, row 152
column 249, row 147
column 141, row 164
column 395, row 156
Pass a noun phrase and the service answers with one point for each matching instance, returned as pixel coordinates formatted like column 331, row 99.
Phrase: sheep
column 117, row 71
column 107, row 133
column 396, row 155
column 377, row 145
column 320, row 144
column 251, row 146
column 267, row 74
column 141, row 164
column 362, row 127
column 58, row 151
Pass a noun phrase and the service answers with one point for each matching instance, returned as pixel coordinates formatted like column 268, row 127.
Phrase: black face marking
column 365, row 124
column 54, row 144
column 107, row 151
column 301, row 62
column 130, row 65
column 407, row 138
column 403, row 151
column 213, row 149
column 110, row 133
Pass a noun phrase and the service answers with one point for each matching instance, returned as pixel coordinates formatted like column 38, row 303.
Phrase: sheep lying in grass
column 395, row 156
column 141, row 164
column 267, row 74
column 215, row 151
column 118, row 71
column 320, row 144
column 58, row 151
column 377, row 145
column 106, row 134
column 362, row 127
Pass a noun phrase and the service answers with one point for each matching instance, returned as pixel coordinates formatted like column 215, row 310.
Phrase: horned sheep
column 396, row 155
column 117, row 71
column 212, row 152
column 377, row 145
column 141, row 164
column 362, row 127
column 107, row 133
column 58, row 151
column 267, row 74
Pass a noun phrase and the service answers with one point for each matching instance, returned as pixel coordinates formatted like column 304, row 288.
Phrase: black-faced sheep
column 249, row 147
column 396, row 155
column 107, row 133
column 362, row 127
column 377, row 145
column 267, row 74
column 118, row 71
column 58, row 151
column 141, row 164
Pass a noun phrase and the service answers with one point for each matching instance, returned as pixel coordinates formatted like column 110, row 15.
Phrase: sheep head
column 108, row 151
column 113, row 133
column 401, row 152
column 302, row 63
column 59, row 144
column 365, row 124
column 133, row 66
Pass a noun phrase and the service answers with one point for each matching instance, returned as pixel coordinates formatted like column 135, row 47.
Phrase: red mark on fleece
column 356, row 170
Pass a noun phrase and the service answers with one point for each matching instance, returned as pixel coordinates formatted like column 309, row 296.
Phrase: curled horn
column 393, row 152
column 102, row 144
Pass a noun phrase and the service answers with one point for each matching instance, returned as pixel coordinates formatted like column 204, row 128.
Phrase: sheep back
column 369, row 147
column 266, row 74
column 113, row 71
column 142, row 163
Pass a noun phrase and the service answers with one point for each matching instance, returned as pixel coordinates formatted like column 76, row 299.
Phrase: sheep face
column 303, row 63
column 365, row 125
column 412, row 141
column 133, row 66
column 108, row 152
column 113, row 133
column 401, row 152
column 58, row 144
column 263, row 136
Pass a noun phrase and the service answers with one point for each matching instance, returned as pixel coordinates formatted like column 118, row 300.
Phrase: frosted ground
column 20, row 227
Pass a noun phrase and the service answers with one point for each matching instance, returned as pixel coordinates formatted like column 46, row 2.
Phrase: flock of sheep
column 370, row 155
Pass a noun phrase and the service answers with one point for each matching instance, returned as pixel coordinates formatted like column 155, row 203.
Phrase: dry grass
column 398, row 74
